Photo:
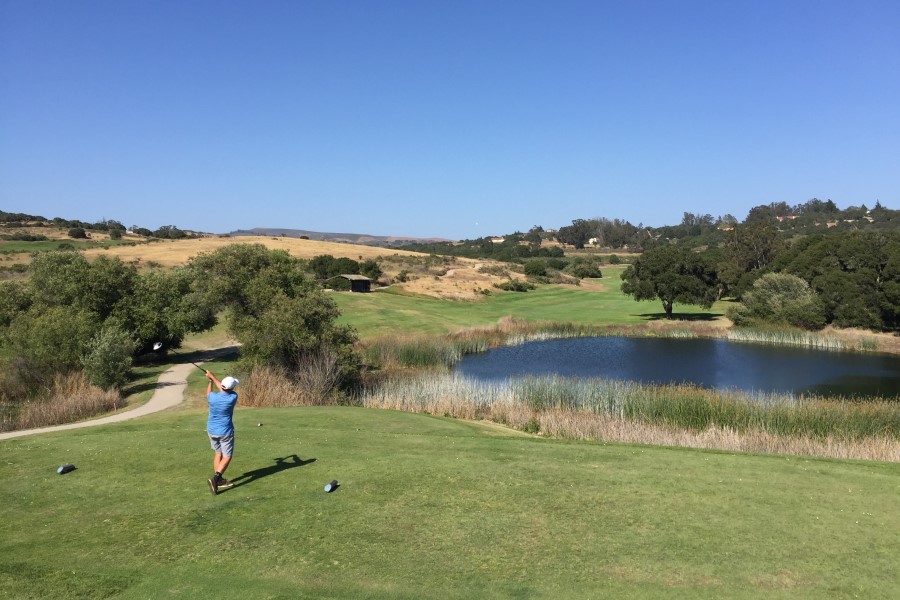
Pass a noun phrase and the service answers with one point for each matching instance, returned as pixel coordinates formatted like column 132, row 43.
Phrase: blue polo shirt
column 221, row 407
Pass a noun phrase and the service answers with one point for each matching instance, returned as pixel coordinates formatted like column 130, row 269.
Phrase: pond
column 708, row 363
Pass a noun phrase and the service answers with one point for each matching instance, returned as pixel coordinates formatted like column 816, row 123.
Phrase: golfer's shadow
column 281, row 464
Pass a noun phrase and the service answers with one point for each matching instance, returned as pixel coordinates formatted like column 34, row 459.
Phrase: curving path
column 169, row 393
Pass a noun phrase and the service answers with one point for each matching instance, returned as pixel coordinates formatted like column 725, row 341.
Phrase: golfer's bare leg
column 221, row 463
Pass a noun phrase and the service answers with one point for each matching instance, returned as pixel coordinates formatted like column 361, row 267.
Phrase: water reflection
column 709, row 363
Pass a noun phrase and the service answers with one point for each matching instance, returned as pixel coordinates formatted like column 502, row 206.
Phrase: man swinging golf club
column 220, row 427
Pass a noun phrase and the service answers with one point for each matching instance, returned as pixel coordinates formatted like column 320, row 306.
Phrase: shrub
column 557, row 263
column 781, row 298
column 51, row 340
column 278, row 315
column 497, row 270
column 78, row 233
column 515, row 285
column 115, row 234
column 24, row 237
column 107, row 361
column 535, row 268
column 584, row 269
column 370, row 269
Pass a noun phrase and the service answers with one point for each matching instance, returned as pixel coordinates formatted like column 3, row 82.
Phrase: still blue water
column 709, row 363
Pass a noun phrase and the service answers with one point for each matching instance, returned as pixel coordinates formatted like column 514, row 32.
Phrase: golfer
column 220, row 428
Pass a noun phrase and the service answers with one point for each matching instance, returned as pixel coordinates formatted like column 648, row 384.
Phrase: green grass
column 384, row 312
column 431, row 508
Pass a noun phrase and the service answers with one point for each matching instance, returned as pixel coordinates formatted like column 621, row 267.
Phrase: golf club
column 158, row 346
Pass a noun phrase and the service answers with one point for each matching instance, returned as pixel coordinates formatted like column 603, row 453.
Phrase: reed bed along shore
column 806, row 339
column 410, row 351
column 607, row 410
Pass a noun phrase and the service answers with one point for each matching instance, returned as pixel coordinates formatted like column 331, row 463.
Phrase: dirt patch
column 462, row 281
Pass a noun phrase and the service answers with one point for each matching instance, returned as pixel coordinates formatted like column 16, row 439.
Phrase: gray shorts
column 222, row 443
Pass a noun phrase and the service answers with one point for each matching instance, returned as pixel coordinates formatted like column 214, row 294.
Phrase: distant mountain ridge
column 347, row 238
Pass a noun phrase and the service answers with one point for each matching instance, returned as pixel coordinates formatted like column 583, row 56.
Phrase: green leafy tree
column 855, row 273
column 58, row 278
column 68, row 279
column 533, row 237
column 577, row 234
column 370, row 269
column 108, row 357
column 748, row 249
column 52, row 318
column 326, row 266
column 164, row 307
column 780, row 298
column 671, row 274
column 583, row 269
column 343, row 266
column 77, row 233
column 14, row 301
column 50, row 341
column 170, row 232
column 536, row 268
column 280, row 317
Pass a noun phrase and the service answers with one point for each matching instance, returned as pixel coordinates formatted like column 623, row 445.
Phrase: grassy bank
column 677, row 415
column 431, row 508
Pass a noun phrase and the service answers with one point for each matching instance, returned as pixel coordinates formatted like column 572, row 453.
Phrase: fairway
column 384, row 313
column 430, row 507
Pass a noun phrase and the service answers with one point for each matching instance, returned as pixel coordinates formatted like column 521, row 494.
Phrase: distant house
column 358, row 283
column 593, row 241
column 498, row 240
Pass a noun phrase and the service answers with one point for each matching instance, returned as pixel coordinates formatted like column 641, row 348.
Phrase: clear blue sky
column 452, row 119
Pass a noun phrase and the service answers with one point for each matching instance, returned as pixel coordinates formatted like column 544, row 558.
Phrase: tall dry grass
column 313, row 383
column 606, row 410
column 805, row 339
column 70, row 398
column 589, row 426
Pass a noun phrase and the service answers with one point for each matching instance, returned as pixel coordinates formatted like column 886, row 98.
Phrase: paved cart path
column 169, row 393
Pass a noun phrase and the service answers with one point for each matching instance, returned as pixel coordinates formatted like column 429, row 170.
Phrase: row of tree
column 849, row 279
column 703, row 230
column 79, row 229
column 517, row 248
column 72, row 314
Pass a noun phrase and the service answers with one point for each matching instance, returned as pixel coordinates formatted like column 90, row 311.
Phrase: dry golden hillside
column 172, row 253
column 447, row 277
column 443, row 277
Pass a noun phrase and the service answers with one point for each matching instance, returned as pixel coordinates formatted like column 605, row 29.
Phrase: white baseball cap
column 229, row 382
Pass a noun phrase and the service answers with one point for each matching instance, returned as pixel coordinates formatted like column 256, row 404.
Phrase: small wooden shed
column 358, row 283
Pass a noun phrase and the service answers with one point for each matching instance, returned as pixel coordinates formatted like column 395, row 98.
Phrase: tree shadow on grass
column 170, row 356
column 693, row 317
column 143, row 387
column 281, row 464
